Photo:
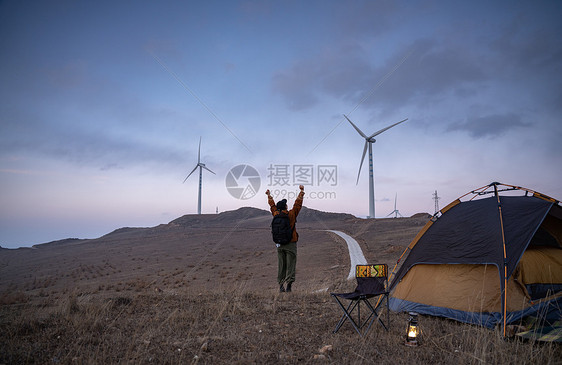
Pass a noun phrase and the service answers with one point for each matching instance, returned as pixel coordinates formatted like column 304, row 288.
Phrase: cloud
column 490, row 126
column 432, row 71
column 527, row 55
column 295, row 87
column 81, row 117
column 530, row 44
column 517, row 64
column 333, row 72
column 424, row 71
column 90, row 141
column 366, row 19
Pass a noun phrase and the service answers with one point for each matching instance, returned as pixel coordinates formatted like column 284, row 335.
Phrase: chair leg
column 372, row 316
column 343, row 317
column 387, row 312
column 347, row 315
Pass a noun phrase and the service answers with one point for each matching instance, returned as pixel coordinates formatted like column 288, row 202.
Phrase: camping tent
column 492, row 258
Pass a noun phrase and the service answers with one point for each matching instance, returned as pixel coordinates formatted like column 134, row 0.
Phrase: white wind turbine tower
column 201, row 167
column 396, row 212
column 369, row 142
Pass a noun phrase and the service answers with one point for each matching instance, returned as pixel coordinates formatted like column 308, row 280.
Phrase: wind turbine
column 369, row 142
column 201, row 167
column 396, row 212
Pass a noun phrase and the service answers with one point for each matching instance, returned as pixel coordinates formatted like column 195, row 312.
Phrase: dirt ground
column 196, row 252
column 202, row 289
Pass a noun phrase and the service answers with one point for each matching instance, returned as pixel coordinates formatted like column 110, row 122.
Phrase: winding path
column 355, row 253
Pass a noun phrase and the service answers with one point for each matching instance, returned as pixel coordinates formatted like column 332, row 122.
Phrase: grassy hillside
column 234, row 325
column 202, row 289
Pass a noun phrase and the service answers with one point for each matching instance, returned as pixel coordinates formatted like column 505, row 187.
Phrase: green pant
column 287, row 263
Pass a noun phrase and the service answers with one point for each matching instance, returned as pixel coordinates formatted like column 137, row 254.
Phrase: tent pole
column 504, row 291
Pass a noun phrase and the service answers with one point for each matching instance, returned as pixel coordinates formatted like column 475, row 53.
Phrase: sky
column 103, row 105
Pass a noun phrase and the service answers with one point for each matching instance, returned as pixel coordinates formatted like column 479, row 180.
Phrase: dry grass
column 202, row 290
column 234, row 326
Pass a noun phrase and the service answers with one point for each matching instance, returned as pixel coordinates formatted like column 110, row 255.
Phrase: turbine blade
column 356, row 128
column 206, row 168
column 192, row 171
column 199, row 152
column 362, row 159
column 387, row 128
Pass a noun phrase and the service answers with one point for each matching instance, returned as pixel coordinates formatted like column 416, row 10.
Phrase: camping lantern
column 413, row 330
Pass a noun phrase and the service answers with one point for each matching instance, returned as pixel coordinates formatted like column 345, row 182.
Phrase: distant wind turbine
column 201, row 167
column 396, row 212
column 369, row 142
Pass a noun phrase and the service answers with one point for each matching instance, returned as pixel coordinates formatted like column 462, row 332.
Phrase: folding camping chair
column 372, row 281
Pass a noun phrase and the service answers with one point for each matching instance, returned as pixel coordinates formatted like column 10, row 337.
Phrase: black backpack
column 281, row 228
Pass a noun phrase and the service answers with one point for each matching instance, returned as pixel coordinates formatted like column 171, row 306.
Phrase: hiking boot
column 289, row 287
column 281, row 288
